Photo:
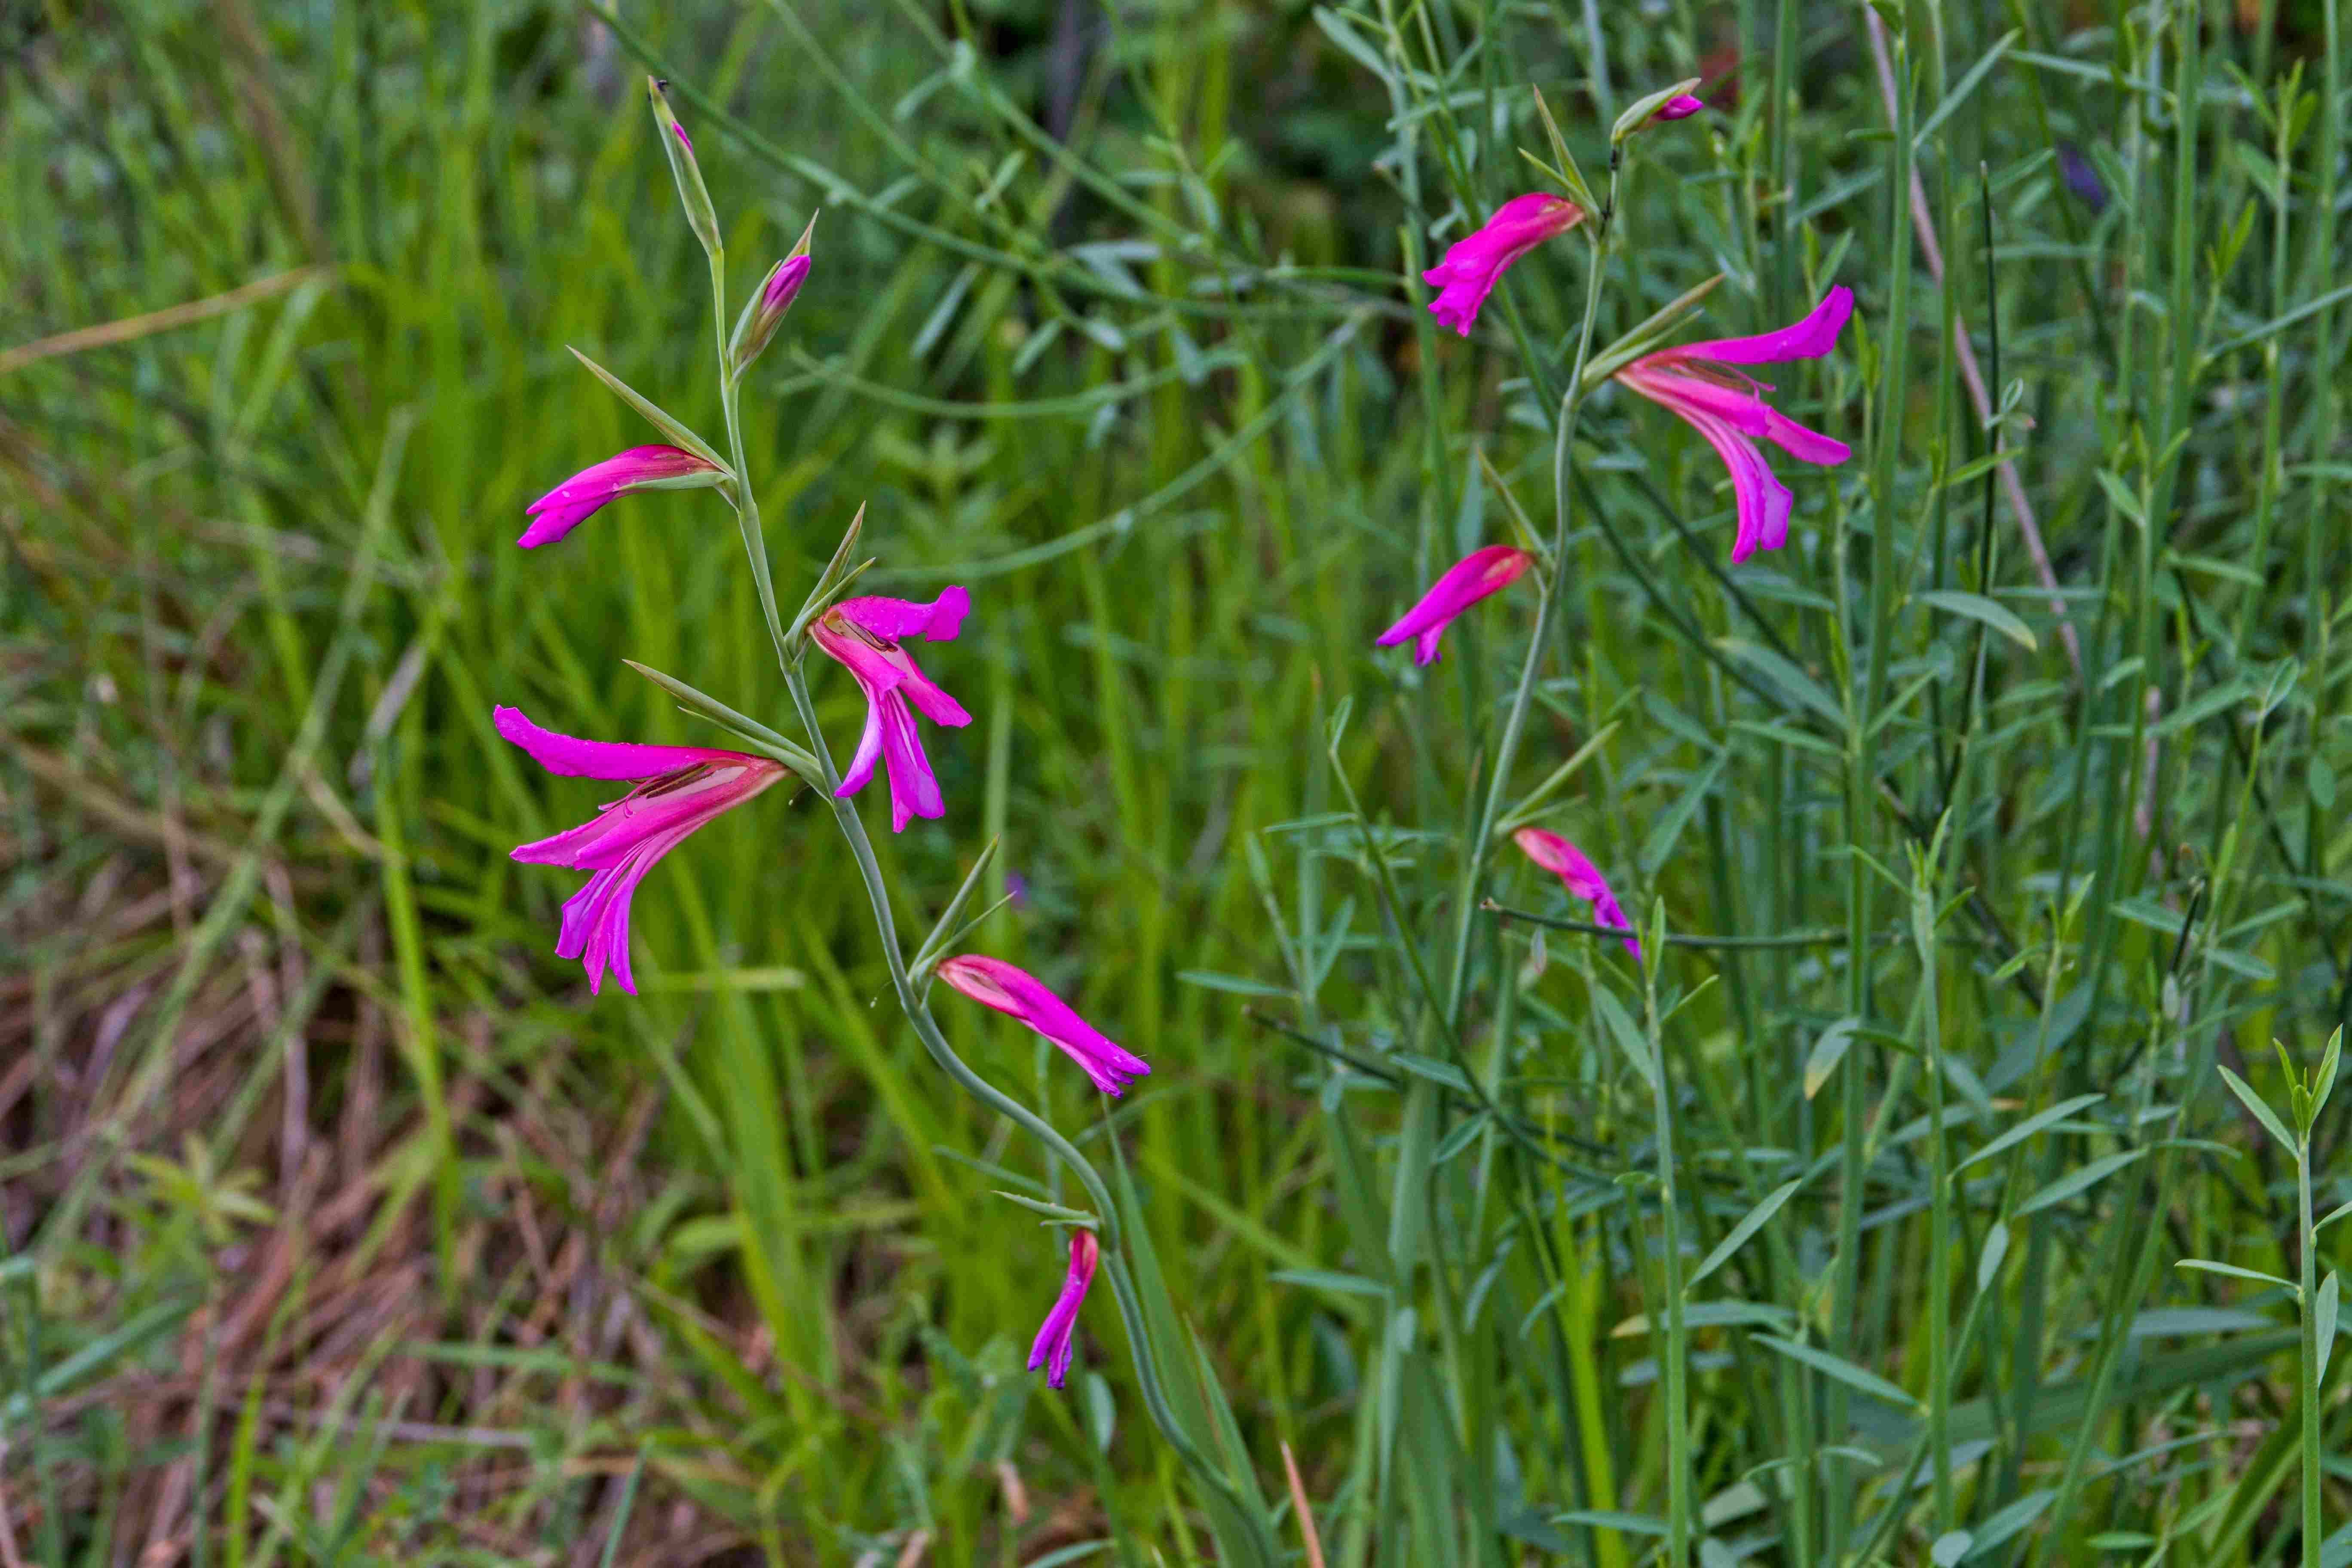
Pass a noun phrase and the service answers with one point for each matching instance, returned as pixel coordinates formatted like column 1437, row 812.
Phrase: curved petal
column 869, row 750
column 1017, row 993
column 1467, row 580
column 1581, row 876
column 914, row 791
column 895, row 620
column 576, row 758
column 1805, row 445
column 1762, row 502
column 1810, row 337
column 1473, row 264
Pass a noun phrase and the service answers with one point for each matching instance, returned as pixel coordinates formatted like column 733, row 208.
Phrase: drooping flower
column 866, row 635
column 1021, row 995
column 1052, row 1348
column 1467, row 580
column 577, row 498
column 674, row 790
column 1695, row 382
column 1474, row 263
column 1584, row 879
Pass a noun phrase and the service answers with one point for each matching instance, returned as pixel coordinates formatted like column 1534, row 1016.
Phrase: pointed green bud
column 691, row 193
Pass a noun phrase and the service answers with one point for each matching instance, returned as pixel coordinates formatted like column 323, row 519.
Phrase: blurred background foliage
column 340, row 1227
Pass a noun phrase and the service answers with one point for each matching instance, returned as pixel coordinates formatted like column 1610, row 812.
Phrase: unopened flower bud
column 764, row 312
column 691, row 193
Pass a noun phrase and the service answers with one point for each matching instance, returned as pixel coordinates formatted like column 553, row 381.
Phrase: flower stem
column 918, row 1011
column 2313, row 1530
column 1474, row 862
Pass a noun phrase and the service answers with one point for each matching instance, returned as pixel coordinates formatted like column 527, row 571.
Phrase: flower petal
column 1473, row 264
column 1463, row 584
column 576, row 758
column 895, row 620
column 1809, row 338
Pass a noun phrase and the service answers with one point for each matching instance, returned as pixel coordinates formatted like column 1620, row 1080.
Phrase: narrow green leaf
column 1827, row 1052
column 2028, row 1128
column 2077, row 1181
column 2255, row 1106
column 659, row 417
column 1842, row 1370
column 1750, row 1223
column 1977, row 607
column 2207, row 1265
column 2323, row 1317
column 1988, row 1259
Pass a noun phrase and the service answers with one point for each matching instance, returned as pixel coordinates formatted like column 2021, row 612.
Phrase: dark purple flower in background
column 2081, row 177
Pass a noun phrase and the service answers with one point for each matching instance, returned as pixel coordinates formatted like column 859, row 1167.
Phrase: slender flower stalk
column 582, row 496
column 1467, row 580
column 866, row 636
column 1021, row 995
column 674, row 790
column 1697, row 383
column 1473, row 264
column 1051, row 1349
column 1569, row 864
column 1212, row 1475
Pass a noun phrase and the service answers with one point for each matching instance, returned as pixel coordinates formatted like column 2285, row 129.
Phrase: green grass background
column 342, row 1226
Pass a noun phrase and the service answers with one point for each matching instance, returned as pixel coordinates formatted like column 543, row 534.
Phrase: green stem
column 1474, row 862
column 2313, row 1533
column 918, row 1012
column 1676, row 1369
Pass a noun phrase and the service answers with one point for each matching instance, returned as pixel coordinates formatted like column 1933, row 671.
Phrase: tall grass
column 1974, row 834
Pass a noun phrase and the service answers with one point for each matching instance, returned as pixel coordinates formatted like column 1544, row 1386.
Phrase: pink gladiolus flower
column 1682, row 106
column 1473, row 264
column 1467, row 580
column 1695, row 382
column 1567, row 862
column 1052, row 1349
column 577, row 498
column 865, row 635
column 674, row 790
column 1021, row 995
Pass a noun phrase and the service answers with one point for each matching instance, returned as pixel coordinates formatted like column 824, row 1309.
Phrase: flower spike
column 1475, row 263
column 1022, row 996
column 1728, row 408
column 674, row 790
column 1467, row 580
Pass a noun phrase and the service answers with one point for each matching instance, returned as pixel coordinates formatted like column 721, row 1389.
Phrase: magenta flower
column 1473, row 264
column 783, row 284
column 1467, row 580
column 865, row 635
column 1052, row 1349
column 1567, row 862
column 674, row 790
column 1021, row 995
column 1695, row 382
column 1682, row 106
column 577, row 498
